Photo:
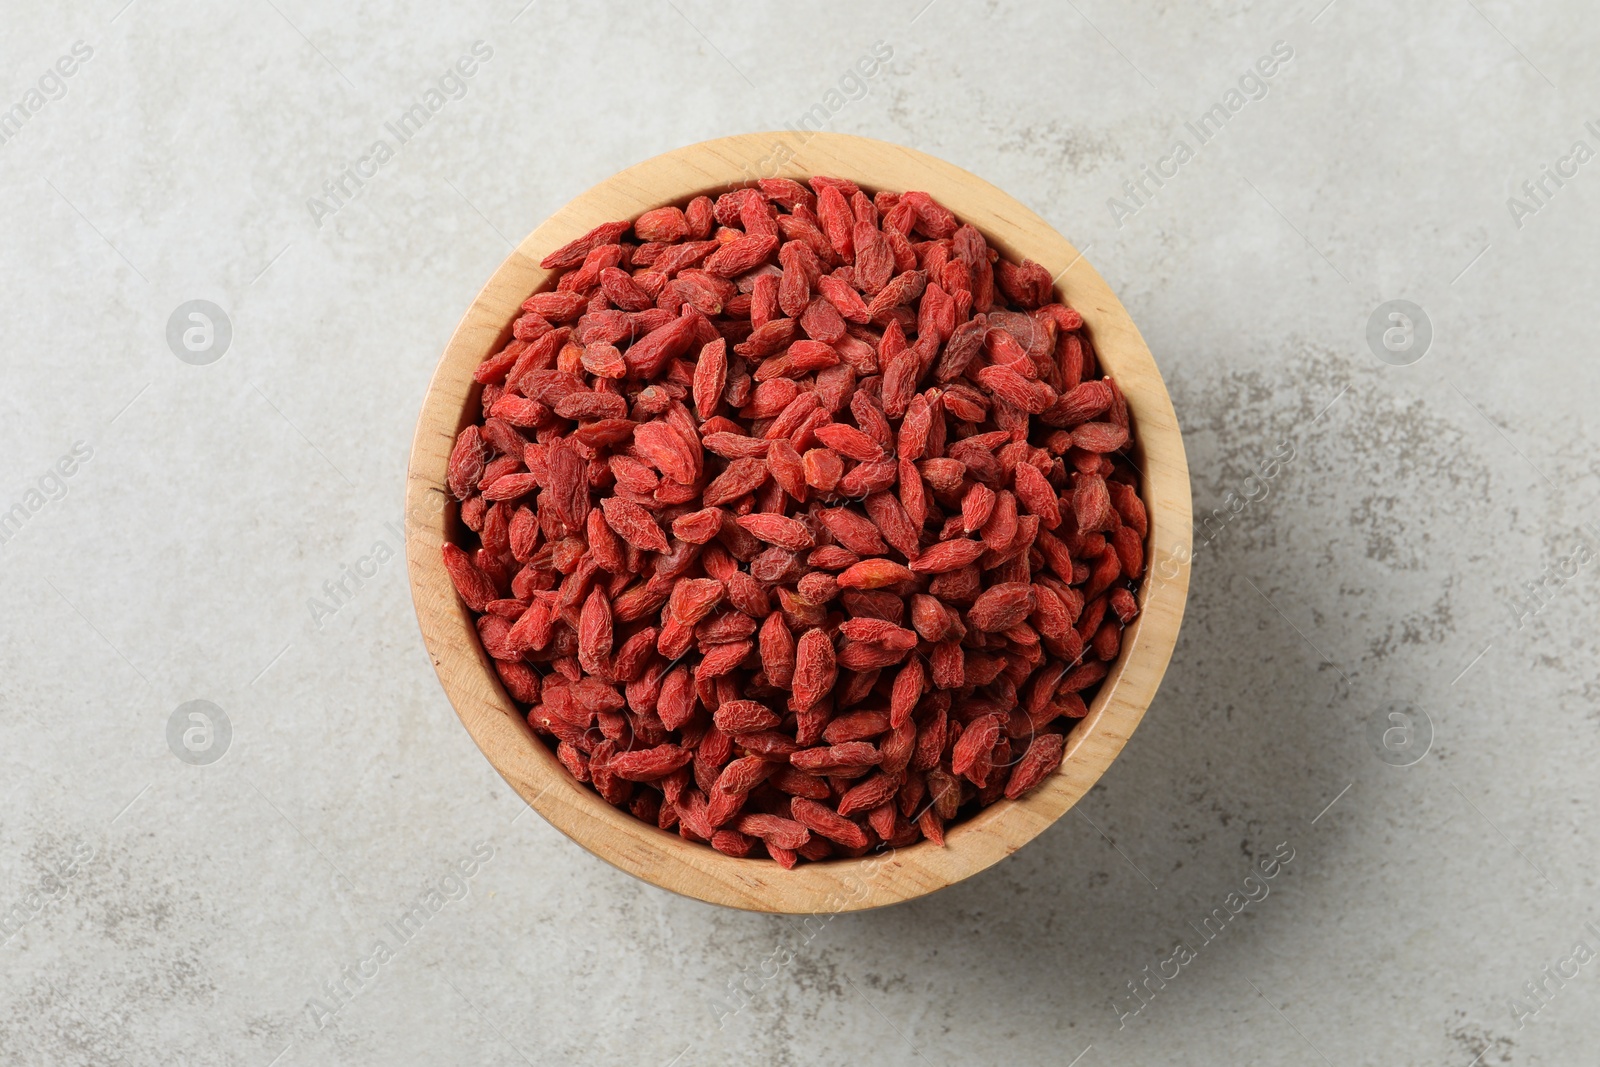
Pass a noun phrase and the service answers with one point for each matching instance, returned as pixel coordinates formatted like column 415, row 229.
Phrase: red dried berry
column 798, row 408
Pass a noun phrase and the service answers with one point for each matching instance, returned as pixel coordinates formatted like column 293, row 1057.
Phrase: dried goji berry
column 799, row 408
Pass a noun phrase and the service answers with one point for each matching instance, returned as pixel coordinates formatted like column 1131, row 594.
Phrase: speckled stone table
column 241, row 823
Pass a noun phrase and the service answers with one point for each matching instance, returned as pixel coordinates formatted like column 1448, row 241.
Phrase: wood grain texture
column 664, row 858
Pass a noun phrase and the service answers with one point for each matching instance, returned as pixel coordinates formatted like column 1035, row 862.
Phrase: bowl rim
column 663, row 858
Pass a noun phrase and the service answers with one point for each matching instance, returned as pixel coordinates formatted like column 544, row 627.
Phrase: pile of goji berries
column 801, row 520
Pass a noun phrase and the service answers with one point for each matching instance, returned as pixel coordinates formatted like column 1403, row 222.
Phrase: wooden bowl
column 663, row 858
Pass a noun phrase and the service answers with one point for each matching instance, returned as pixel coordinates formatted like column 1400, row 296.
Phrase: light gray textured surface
column 205, row 906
